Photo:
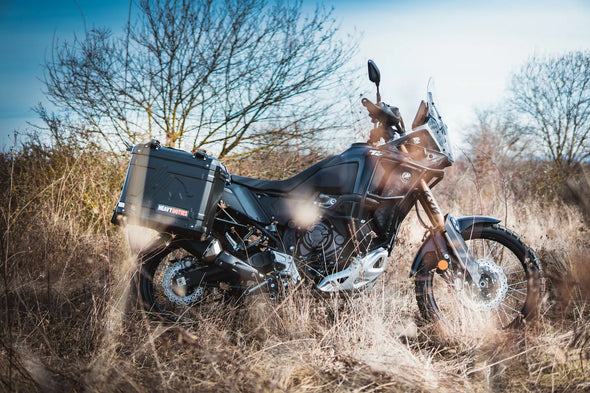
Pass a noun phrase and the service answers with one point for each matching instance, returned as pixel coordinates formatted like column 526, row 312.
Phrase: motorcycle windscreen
column 439, row 129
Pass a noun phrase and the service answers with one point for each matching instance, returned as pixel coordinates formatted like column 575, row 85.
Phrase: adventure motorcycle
column 333, row 225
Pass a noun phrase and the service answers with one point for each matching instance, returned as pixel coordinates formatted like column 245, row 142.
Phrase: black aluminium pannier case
column 170, row 190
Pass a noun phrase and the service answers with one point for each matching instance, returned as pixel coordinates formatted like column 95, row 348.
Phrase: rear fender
column 427, row 253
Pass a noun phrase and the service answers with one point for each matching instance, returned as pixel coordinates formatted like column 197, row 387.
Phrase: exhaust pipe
column 211, row 252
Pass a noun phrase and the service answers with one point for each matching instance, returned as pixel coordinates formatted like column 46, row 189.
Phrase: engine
column 328, row 246
column 321, row 243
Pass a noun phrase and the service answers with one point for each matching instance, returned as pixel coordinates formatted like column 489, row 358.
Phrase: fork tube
column 431, row 207
column 437, row 219
column 429, row 203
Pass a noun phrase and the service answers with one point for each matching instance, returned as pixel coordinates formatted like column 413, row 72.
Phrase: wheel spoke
column 509, row 266
column 516, row 290
column 516, row 283
column 483, row 246
column 504, row 305
column 500, row 318
column 515, row 271
column 516, row 263
column 514, row 297
column 492, row 250
column 505, row 313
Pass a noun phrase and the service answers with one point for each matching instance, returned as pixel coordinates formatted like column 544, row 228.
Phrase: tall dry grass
column 69, row 319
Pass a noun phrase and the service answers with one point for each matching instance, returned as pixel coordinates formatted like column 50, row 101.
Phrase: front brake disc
column 490, row 292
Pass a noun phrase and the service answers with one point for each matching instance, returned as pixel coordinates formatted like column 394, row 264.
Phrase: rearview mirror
column 374, row 74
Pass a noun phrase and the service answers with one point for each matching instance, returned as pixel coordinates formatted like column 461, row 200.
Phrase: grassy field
column 70, row 321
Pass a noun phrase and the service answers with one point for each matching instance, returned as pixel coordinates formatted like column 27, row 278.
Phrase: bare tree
column 494, row 141
column 552, row 99
column 202, row 73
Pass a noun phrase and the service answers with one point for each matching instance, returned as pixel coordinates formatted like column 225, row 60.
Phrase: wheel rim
column 507, row 295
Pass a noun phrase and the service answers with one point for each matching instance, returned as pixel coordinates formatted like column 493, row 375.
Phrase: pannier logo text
column 172, row 210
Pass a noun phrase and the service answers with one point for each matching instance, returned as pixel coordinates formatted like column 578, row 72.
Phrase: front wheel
column 509, row 290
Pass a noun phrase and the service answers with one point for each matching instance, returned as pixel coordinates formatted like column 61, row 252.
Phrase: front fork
column 449, row 243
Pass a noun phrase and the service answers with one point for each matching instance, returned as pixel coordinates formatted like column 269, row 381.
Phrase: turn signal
column 443, row 265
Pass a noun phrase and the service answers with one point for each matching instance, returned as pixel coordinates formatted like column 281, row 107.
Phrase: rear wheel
column 507, row 293
column 165, row 289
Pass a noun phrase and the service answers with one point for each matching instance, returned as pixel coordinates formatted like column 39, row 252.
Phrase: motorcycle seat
column 282, row 186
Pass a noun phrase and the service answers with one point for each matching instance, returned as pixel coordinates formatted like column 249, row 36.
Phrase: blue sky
column 27, row 29
column 469, row 48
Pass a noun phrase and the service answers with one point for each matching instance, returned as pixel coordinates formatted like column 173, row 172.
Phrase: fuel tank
column 346, row 175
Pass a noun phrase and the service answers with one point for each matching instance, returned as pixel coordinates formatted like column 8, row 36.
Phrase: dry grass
column 69, row 319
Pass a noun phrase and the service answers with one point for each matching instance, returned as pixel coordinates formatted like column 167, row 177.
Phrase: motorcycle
column 332, row 226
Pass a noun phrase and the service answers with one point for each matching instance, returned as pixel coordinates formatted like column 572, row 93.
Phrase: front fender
column 427, row 252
